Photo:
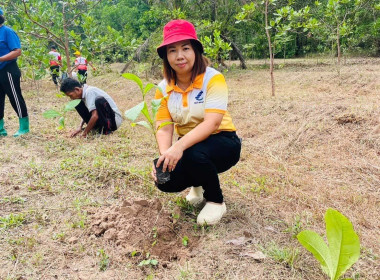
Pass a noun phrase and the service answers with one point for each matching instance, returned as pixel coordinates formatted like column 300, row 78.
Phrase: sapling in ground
column 52, row 114
column 150, row 116
column 343, row 249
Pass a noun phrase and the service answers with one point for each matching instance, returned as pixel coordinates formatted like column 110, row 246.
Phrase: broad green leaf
column 134, row 112
column 153, row 262
column 51, row 114
column 314, row 243
column 61, row 123
column 145, row 112
column 147, row 88
column 343, row 241
column 163, row 124
column 155, row 105
column 134, row 78
column 70, row 106
column 145, row 124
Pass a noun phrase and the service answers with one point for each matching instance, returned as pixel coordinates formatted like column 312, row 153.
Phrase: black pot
column 162, row 177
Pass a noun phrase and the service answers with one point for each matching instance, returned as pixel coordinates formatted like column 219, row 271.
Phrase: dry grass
column 305, row 150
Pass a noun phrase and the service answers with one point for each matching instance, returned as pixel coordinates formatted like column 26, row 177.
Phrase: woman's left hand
column 170, row 157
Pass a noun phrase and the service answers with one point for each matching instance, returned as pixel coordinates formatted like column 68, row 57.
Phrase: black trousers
column 201, row 163
column 106, row 122
column 54, row 70
column 10, row 85
column 83, row 73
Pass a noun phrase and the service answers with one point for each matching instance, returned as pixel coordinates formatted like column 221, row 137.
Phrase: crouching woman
column 194, row 97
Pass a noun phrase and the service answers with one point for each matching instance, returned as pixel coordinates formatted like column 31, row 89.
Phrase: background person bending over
column 10, row 49
column 55, row 64
column 195, row 99
column 81, row 64
column 97, row 109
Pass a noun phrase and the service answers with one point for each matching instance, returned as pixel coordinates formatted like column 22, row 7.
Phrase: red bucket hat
column 178, row 30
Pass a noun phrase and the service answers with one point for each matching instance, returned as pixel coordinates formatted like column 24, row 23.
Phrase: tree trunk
column 237, row 51
column 137, row 54
column 338, row 46
column 67, row 50
column 270, row 48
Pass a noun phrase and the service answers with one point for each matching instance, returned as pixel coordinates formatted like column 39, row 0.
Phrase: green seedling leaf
column 134, row 112
column 314, row 243
column 145, row 112
column 185, row 240
column 61, row 123
column 147, row 88
column 155, row 105
column 144, row 262
column 51, row 114
column 144, row 124
column 134, row 78
column 163, row 124
column 60, row 95
column 153, row 262
column 343, row 242
column 70, row 106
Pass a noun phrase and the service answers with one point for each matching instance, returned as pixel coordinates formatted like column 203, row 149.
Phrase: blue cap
column 1, row 12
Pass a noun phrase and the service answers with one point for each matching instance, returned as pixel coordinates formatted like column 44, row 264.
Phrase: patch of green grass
column 104, row 260
column 37, row 259
column 12, row 220
column 184, row 205
column 13, row 200
column 59, row 236
column 28, row 242
column 296, row 227
column 79, row 220
column 285, row 255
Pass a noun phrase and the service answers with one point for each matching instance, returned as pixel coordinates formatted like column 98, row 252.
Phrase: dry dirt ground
column 73, row 208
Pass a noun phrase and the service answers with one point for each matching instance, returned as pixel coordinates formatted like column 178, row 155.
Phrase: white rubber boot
column 195, row 196
column 212, row 213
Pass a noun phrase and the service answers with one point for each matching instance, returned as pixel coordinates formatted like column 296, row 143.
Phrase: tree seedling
column 147, row 262
column 185, row 240
column 344, row 245
column 150, row 116
column 52, row 114
column 104, row 260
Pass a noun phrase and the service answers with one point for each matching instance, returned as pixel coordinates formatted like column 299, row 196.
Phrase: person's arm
column 12, row 55
column 78, row 130
column 172, row 155
column 164, row 136
column 94, row 118
column 92, row 66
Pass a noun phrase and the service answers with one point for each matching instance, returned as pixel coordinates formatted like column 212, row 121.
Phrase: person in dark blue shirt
column 10, row 49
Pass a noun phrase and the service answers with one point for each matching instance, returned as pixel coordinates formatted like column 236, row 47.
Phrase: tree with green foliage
column 278, row 24
column 335, row 19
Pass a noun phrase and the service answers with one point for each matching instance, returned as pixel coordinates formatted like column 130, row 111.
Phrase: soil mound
column 140, row 227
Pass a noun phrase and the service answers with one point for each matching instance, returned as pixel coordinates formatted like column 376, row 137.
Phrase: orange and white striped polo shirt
column 207, row 94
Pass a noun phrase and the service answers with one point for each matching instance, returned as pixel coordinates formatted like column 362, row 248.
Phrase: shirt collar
column 198, row 83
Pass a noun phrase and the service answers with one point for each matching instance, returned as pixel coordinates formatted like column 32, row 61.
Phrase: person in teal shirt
column 10, row 75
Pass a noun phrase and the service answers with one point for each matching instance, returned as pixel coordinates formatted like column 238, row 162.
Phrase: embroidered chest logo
column 199, row 97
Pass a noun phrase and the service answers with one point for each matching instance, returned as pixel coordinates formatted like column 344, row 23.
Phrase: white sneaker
column 195, row 196
column 212, row 213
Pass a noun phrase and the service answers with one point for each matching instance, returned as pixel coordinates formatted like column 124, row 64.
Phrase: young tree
column 278, row 24
column 57, row 22
column 335, row 19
